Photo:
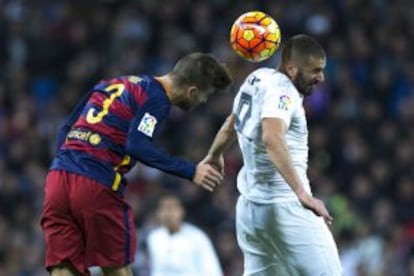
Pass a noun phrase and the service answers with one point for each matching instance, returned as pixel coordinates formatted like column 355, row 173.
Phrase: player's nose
column 320, row 77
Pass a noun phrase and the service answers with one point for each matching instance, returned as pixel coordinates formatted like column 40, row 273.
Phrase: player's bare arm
column 273, row 137
column 225, row 137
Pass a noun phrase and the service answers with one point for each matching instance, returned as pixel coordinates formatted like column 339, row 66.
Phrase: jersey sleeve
column 139, row 145
column 278, row 102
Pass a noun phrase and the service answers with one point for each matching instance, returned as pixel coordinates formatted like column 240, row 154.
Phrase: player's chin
column 309, row 90
column 186, row 106
column 192, row 106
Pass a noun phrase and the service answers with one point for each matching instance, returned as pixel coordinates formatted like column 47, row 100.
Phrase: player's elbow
column 131, row 150
column 230, row 120
column 228, row 126
column 128, row 147
column 229, row 132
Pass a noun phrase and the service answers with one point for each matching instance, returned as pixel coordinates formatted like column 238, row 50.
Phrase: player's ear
column 192, row 91
column 291, row 69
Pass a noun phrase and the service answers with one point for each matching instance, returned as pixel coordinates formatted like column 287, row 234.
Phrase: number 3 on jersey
column 115, row 90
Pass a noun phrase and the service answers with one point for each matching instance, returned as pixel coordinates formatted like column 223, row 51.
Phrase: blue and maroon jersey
column 112, row 127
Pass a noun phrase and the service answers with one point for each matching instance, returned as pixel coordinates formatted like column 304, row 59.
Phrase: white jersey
column 187, row 252
column 267, row 93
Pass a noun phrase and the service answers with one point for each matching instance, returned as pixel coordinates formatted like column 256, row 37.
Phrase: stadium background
column 361, row 120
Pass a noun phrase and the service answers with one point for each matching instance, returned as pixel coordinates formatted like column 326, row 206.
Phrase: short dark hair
column 300, row 48
column 171, row 195
column 201, row 70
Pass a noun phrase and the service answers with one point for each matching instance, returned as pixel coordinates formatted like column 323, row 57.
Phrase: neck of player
column 167, row 84
column 282, row 70
column 174, row 228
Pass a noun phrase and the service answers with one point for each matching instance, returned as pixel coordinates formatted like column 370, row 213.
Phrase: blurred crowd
column 361, row 120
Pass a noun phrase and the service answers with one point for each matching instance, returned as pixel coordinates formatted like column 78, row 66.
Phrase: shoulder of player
column 153, row 89
column 187, row 230
column 154, row 237
column 130, row 82
column 147, row 90
column 272, row 79
column 140, row 83
column 271, row 76
column 194, row 230
column 157, row 230
column 262, row 73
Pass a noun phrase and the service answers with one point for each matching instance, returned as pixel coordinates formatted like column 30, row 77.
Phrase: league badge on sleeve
column 284, row 102
column 147, row 124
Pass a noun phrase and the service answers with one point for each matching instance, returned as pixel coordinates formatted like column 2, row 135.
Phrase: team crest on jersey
column 284, row 102
column 147, row 124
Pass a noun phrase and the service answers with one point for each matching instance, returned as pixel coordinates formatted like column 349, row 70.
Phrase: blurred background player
column 86, row 221
column 280, row 225
column 178, row 248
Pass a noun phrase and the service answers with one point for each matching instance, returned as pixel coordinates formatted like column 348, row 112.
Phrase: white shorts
column 284, row 239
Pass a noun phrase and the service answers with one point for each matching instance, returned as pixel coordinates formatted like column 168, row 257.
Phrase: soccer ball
column 255, row 36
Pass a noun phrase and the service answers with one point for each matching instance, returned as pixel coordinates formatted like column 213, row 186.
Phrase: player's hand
column 217, row 163
column 207, row 177
column 317, row 206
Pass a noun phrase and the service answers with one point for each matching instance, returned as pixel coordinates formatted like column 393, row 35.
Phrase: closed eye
column 317, row 70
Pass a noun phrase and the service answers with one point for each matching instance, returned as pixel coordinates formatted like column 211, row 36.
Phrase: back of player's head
column 203, row 71
column 300, row 47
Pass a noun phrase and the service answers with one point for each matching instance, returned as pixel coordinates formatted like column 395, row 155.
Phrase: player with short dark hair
column 300, row 47
column 279, row 224
column 178, row 248
column 85, row 219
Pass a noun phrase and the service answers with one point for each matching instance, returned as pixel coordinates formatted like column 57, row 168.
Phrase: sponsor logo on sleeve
column 147, row 124
column 284, row 102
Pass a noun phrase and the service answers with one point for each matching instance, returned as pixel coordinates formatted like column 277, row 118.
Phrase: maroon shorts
column 85, row 223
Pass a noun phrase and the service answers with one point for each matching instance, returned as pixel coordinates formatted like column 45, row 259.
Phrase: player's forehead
column 314, row 62
column 169, row 201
